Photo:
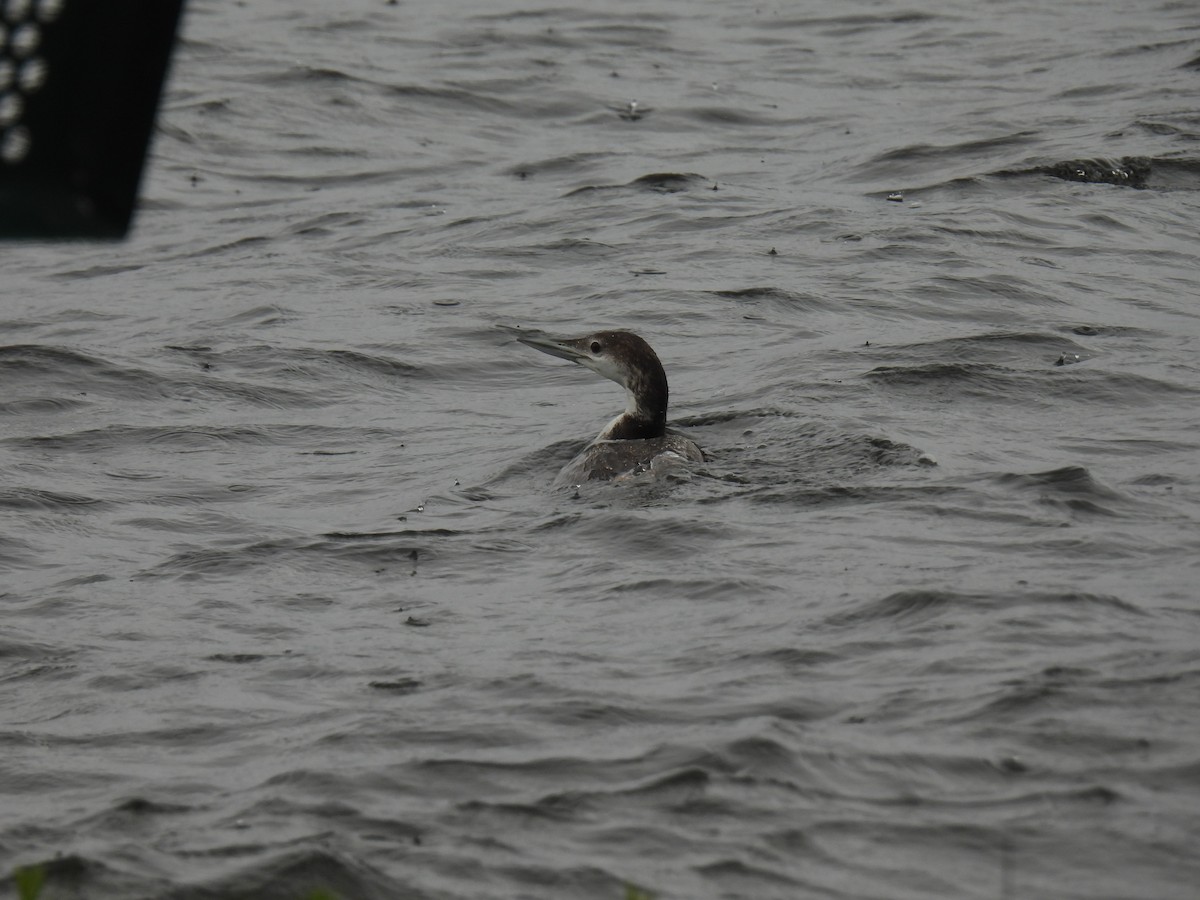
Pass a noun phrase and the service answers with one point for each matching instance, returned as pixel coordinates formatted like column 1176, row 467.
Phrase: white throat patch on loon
column 639, row 434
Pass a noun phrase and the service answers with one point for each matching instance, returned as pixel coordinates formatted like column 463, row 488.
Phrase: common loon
column 638, row 439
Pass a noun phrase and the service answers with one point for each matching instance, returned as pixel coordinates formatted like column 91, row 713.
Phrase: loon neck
column 631, row 427
column 645, row 414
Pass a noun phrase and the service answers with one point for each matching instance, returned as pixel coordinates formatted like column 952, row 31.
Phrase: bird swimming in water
column 638, row 439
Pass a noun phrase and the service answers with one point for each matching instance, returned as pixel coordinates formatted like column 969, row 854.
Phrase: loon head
column 625, row 358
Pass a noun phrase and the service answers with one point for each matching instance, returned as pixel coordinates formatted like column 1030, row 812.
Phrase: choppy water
column 289, row 602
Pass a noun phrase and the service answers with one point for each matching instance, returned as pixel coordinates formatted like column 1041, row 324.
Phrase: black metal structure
column 79, row 85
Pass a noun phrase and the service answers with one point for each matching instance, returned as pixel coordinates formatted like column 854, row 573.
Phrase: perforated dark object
column 79, row 85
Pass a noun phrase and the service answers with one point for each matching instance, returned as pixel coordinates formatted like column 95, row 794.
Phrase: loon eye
column 595, row 346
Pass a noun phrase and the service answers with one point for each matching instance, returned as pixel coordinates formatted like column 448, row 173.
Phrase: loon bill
column 638, row 439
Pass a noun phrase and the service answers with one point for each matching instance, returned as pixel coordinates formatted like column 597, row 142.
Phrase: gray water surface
column 290, row 603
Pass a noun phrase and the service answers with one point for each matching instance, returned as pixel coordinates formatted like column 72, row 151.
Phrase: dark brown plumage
column 638, row 436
